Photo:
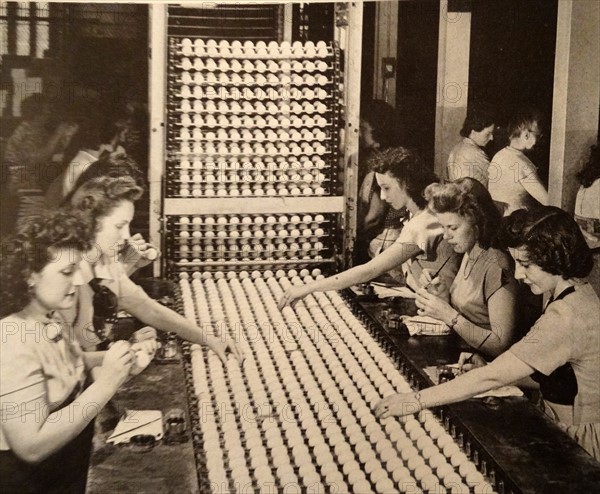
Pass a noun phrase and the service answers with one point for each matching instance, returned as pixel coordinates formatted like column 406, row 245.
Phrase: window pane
column 3, row 12
column 3, row 37
column 42, row 39
column 3, row 100
column 23, row 10
column 42, row 9
column 23, row 38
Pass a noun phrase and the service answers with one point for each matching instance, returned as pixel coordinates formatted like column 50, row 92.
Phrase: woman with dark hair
column 137, row 253
column 108, row 166
column 467, row 158
column 484, row 294
column 378, row 224
column 46, row 404
column 551, row 257
column 402, row 178
column 108, row 205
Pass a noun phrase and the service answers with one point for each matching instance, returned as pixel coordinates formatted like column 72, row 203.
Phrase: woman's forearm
column 93, row 359
column 461, row 388
column 390, row 258
column 505, row 369
column 160, row 317
column 536, row 189
column 35, row 439
column 487, row 341
column 353, row 276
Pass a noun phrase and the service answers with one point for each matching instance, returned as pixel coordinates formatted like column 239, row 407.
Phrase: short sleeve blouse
column 568, row 332
column 508, row 171
column 36, row 365
column 467, row 159
column 471, row 290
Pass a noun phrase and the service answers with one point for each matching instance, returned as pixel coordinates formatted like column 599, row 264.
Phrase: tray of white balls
column 188, row 47
column 297, row 416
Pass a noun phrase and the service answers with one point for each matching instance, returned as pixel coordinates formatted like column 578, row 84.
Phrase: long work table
column 509, row 438
column 534, row 454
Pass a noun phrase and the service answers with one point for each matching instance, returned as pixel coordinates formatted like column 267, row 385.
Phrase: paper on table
column 399, row 291
column 425, row 325
column 136, row 422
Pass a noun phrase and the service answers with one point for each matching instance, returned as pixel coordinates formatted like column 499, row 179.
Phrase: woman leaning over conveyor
column 47, row 402
column 482, row 308
column 552, row 258
column 108, row 205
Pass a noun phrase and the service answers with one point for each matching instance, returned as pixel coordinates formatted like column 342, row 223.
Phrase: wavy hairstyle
column 108, row 166
column 523, row 121
column 552, row 239
column 468, row 198
column 405, row 166
column 30, row 250
column 99, row 196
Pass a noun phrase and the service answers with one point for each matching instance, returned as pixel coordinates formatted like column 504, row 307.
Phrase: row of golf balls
column 248, row 48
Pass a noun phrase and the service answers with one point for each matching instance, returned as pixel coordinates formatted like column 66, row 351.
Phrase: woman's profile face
column 54, row 286
column 538, row 280
column 459, row 232
column 483, row 136
column 392, row 191
column 113, row 229
column 365, row 135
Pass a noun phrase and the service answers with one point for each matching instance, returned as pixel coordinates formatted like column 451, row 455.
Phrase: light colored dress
column 467, row 159
column 37, row 365
column 568, row 332
column 471, row 290
column 508, row 171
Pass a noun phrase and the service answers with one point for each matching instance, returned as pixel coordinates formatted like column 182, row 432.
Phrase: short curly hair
column 99, row 196
column 468, row 198
column 523, row 120
column 405, row 166
column 30, row 249
column 551, row 238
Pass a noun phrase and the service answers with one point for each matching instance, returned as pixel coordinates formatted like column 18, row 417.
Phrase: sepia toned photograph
column 286, row 247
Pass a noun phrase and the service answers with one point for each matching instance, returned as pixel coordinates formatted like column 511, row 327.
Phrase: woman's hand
column 145, row 333
column 138, row 253
column 397, row 405
column 148, row 346
column 433, row 306
column 468, row 361
column 222, row 346
column 431, row 285
column 292, row 295
column 116, row 365
column 144, row 352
